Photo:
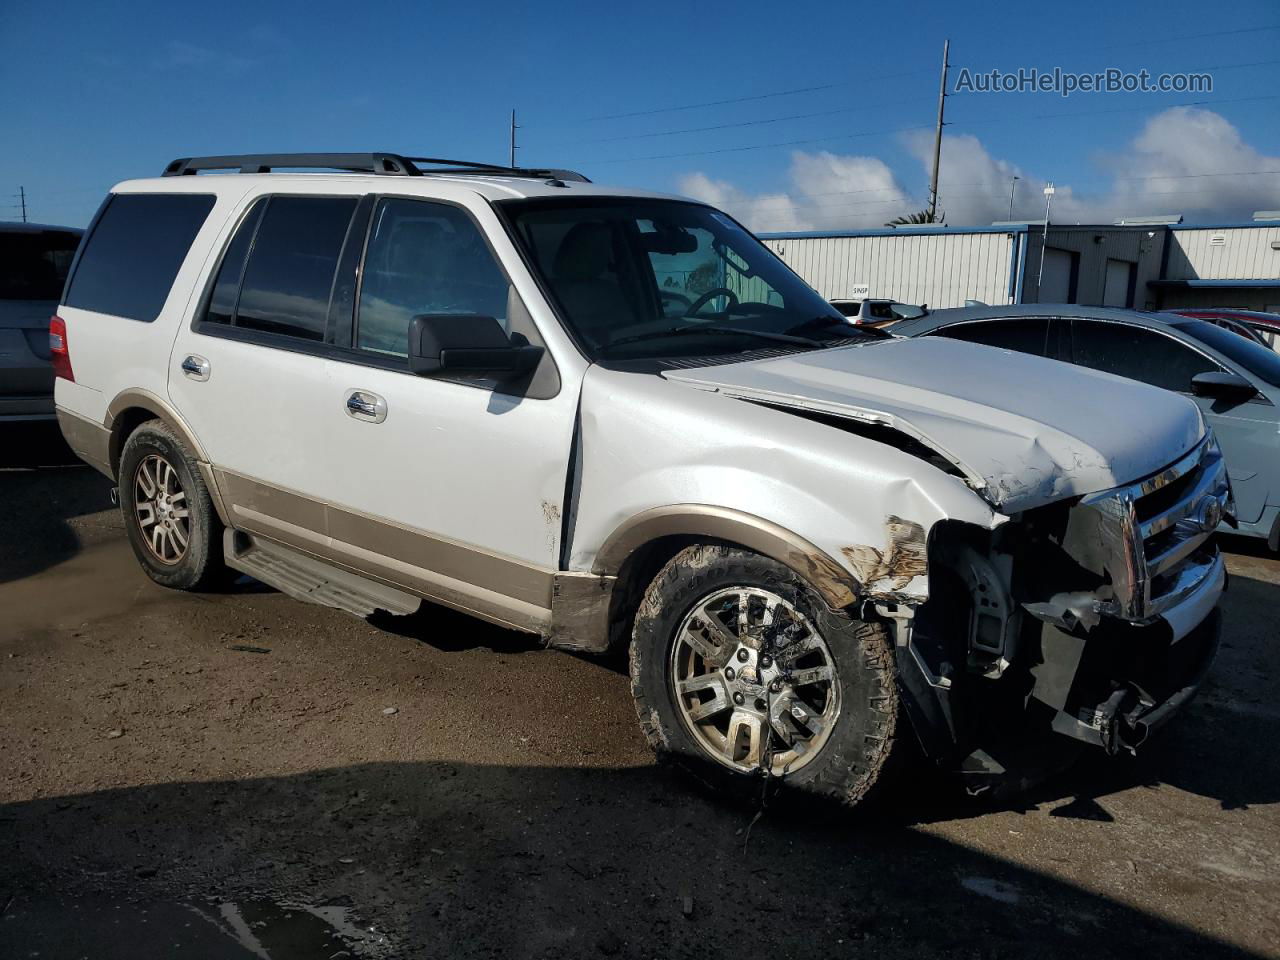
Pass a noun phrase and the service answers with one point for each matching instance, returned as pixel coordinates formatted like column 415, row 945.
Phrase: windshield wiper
column 719, row 331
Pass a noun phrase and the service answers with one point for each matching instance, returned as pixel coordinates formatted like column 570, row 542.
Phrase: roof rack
column 382, row 164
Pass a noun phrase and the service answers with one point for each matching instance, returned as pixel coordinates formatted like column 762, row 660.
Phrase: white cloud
column 762, row 211
column 826, row 191
column 1148, row 176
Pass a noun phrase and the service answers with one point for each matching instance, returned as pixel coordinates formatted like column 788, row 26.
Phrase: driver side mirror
column 1223, row 386
column 468, row 344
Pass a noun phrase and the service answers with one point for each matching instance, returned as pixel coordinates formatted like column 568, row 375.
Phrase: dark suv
column 34, row 260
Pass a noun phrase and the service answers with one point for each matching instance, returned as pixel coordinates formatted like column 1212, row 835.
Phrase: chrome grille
column 1155, row 532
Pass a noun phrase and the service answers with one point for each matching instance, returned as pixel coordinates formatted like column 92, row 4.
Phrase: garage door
column 1057, row 284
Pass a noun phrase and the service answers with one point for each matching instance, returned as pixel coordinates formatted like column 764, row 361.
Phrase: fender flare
column 837, row 585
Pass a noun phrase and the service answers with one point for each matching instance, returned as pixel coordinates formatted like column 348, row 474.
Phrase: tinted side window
column 1138, row 354
column 129, row 261
column 289, row 276
column 226, row 288
column 424, row 257
column 1026, row 335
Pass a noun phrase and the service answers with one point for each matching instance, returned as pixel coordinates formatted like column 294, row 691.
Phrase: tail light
column 59, row 350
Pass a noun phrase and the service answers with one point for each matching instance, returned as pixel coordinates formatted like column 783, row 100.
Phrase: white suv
column 611, row 417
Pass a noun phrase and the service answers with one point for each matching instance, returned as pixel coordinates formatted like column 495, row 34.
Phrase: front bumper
column 1130, row 680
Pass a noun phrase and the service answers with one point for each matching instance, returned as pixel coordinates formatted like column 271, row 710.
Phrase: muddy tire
column 168, row 514
column 692, row 644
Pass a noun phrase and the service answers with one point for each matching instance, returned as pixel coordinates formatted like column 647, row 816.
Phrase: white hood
column 1024, row 430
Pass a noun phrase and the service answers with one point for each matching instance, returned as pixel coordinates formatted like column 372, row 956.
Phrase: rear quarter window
column 132, row 256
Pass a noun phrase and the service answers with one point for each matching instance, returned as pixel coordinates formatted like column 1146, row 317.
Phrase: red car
column 1252, row 324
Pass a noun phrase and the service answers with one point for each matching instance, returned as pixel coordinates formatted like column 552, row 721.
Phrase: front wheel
column 739, row 670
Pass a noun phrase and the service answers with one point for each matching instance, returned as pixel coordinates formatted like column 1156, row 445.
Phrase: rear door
column 250, row 374
column 1162, row 360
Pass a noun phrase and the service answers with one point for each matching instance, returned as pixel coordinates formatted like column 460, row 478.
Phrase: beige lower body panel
column 495, row 588
column 90, row 441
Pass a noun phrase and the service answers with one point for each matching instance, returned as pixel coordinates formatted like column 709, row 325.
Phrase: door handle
column 366, row 406
column 197, row 368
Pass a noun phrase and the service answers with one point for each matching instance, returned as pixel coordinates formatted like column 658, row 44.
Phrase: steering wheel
column 710, row 295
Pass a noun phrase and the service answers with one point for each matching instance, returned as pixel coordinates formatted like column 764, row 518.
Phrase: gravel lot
column 244, row 775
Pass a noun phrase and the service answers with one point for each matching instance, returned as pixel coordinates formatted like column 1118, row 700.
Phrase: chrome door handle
column 197, row 368
column 366, row 406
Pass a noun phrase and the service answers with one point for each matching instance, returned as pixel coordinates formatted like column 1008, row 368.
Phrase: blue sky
column 93, row 94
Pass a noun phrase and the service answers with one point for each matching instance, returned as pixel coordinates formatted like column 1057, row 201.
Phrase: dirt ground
column 244, row 775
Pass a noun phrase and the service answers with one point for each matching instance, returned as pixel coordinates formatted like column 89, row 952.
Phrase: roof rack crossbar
column 382, row 164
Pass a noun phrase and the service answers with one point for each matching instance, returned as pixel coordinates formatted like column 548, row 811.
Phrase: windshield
column 1254, row 357
column 641, row 279
column 34, row 263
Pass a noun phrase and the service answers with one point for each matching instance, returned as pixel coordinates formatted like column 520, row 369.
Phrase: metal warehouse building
column 1141, row 265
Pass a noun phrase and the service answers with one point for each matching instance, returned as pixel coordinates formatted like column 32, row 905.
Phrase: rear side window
column 288, row 279
column 134, row 252
column 34, row 263
column 1026, row 335
column 226, row 289
column 1139, row 354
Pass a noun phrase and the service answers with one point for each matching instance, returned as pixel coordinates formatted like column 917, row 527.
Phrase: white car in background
column 877, row 312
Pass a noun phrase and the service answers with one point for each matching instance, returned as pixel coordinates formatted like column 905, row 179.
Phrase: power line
column 1192, row 36
column 755, row 97
column 874, row 133
column 727, row 126
column 763, row 146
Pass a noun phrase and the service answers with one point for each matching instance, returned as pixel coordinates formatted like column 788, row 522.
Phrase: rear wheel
column 168, row 514
column 740, row 670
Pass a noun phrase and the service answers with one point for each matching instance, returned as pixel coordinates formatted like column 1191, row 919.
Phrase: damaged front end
column 1092, row 618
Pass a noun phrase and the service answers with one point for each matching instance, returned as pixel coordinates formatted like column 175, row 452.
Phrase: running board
column 306, row 578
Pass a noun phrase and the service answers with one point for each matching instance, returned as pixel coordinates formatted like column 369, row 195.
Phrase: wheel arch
column 680, row 524
column 132, row 408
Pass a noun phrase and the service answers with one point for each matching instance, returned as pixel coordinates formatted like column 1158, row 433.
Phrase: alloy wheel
column 754, row 681
column 160, row 506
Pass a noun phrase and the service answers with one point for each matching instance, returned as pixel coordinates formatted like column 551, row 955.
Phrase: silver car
column 1234, row 381
column 34, row 260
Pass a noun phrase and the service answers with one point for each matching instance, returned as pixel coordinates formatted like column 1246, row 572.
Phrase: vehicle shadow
column 42, row 487
column 472, row 861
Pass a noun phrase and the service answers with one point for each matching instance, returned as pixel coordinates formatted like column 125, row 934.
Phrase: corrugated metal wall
column 942, row 270
column 1095, row 246
column 1231, row 253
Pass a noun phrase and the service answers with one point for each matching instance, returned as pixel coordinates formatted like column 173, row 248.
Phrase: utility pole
column 22, row 193
column 1013, row 185
column 937, row 137
column 514, row 128
column 1044, row 239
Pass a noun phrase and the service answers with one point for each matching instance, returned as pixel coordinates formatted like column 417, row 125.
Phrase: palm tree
column 917, row 218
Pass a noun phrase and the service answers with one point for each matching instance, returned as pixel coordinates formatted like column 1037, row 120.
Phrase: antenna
column 514, row 128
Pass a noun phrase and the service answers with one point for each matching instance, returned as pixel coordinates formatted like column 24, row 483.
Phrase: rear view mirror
column 468, row 344
column 669, row 242
column 1222, row 385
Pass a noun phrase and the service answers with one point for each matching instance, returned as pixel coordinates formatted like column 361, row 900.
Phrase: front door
column 454, row 477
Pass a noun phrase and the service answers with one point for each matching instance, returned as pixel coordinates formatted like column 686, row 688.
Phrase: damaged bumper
column 1129, row 683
